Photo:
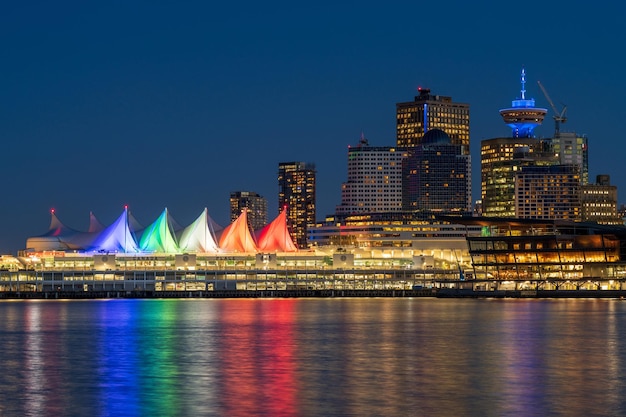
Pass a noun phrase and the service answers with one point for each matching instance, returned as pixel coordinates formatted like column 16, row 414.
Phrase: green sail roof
column 159, row 236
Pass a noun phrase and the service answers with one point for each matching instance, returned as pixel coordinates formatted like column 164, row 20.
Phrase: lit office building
column 256, row 205
column 599, row 202
column 296, row 194
column 501, row 159
column 571, row 149
column 548, row 192
column 437, row 176
column 428, row 111
column 374, row 181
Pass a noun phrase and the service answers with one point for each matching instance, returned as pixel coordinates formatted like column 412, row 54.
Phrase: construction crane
column 559, row 117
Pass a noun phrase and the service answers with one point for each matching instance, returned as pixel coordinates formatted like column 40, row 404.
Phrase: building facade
column 571, row 149
column 548, row 192
column 554, row 254
column 374, row 181
column 428, row 111
column 500, row 160
column 296, row 194
column 437, row 176
column 256, row 205
column 599, row 202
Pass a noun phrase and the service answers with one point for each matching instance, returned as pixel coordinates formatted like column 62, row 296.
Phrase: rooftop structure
column 164, row 236
column 523, row 117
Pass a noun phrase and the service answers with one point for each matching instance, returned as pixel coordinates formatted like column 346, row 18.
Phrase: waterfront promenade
column 84, row 281
column 414, row 293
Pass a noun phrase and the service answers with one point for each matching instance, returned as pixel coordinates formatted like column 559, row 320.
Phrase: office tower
column 523, row 117
column 501, row 159
column 437, row 176
column 296, row 194
column 374, row 181
column 256, row 205
column 599, row 202
column 571, row 148
column 548, row 192
column 427, row 111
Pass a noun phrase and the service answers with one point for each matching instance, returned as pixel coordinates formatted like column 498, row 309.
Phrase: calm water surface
column 313, row 357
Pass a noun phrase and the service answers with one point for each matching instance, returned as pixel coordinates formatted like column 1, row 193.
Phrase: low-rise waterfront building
column 547, row 252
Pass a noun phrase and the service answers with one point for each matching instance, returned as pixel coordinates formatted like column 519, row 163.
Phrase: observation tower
column 523, row 117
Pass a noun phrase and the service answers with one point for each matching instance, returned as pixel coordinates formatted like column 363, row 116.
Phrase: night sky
column 160, row 104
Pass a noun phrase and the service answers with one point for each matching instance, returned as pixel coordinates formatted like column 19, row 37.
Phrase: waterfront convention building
column 547, row 254
column 203, row 256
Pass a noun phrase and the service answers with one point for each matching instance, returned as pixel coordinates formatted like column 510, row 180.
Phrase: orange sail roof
column 275, row 236
column 236, row 237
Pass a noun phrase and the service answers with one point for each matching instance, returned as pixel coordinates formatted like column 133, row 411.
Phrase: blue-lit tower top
column 523, row 117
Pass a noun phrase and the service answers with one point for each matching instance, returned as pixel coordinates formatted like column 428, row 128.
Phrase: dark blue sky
column 175, row 104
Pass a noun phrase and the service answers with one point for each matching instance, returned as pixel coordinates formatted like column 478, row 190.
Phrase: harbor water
column 313, row 357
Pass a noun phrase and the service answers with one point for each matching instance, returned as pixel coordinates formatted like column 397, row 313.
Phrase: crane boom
column 559, row 117
column 545, row 93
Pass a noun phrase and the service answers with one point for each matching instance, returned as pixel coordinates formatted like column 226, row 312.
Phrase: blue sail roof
column 118, row 237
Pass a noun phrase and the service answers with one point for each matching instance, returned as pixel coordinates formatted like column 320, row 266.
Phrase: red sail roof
column 275, row 236
column 236, row 237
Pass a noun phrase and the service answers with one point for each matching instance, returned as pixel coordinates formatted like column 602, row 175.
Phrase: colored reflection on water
column 313, row 357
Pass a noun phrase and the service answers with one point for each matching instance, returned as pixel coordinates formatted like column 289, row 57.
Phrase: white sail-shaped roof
column 55, row 238
column 94, row 224
column 213, row 226
column 159, row 236
column 134, row 225
column 118, row 237
column 237, row 237
column 199, row 235
column 85, row 240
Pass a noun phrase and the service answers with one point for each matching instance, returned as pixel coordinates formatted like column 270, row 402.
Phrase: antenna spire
column 523, row 84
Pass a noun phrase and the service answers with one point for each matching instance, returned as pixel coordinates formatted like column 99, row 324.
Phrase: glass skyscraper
column 296, row 194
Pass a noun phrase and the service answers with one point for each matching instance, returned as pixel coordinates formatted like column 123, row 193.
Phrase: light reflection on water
column 313, row 357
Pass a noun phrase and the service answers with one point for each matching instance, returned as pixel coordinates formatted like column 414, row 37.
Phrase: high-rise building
column 296, row 194
column 548, row 192
column 374, row 183
column 500, row 160
column 428, row 111
column 571, row 149
column 256, row 205
column 436, row 176
column 599, row 202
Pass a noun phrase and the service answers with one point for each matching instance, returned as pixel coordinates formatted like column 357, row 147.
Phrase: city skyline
column 156, row 106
